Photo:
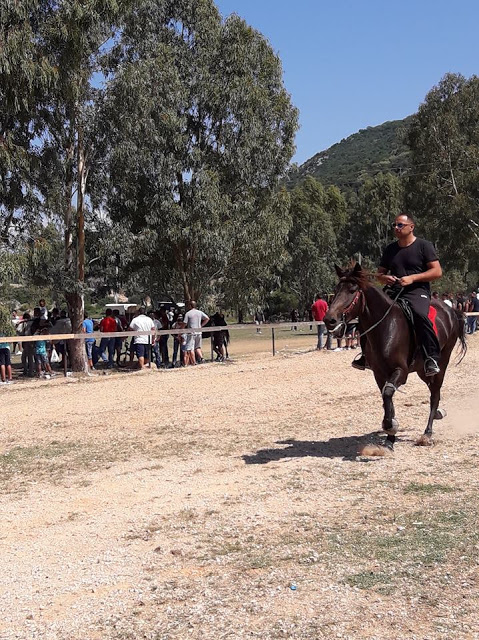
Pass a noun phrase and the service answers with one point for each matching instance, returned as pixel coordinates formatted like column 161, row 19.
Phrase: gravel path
column 228, row 501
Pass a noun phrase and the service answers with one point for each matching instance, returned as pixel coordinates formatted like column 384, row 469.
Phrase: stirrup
column 431, row 368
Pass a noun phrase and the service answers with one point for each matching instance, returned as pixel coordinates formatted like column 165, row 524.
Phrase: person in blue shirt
column 87, row 327
column 41, row 354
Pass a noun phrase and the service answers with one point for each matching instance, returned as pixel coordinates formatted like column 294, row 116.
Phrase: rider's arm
column 383, row 278
column 433, row 272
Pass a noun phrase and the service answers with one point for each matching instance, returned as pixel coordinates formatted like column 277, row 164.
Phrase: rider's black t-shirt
column 406, row 261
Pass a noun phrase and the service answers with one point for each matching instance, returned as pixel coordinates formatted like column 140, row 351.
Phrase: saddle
column 392, row 292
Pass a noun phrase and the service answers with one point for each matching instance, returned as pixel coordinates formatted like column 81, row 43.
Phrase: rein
column 387, row 311
column 351, row 306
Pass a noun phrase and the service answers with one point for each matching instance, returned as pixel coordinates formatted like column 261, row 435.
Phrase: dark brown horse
column 390, row 351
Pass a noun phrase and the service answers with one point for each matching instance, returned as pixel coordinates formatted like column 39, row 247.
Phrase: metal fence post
column 272, row 337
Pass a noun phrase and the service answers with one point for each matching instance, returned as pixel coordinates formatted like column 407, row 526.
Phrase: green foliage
column 6, row 326
column 443, row 189
column 195, row 157
column 362, row 155
column 377, row 203
column 316, row 214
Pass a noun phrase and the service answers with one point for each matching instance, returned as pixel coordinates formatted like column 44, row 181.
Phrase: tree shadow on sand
column 346, row 448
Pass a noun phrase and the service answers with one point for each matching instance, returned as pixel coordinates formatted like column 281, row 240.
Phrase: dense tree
column 71, row 40
column 443, row 189
column 377, row 203
column 312, row 240
column 201, row 128
column 24, row 76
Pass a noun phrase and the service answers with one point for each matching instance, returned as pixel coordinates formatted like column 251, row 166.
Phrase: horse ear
column 339, row 271
column 357, row 268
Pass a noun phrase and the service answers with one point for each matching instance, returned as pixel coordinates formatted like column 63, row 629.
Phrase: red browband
column 353, row 302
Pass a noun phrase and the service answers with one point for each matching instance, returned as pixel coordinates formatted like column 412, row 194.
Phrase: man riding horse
column 410, row 263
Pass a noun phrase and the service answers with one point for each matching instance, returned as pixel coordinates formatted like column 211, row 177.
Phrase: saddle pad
column 432, row 317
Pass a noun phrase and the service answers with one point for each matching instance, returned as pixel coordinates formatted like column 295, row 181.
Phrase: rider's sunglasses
column 399, row 225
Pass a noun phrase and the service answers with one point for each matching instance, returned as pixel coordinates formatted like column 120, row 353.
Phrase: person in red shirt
column 108, row 325
column 319, row 309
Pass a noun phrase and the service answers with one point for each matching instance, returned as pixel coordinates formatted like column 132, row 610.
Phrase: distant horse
column 391, row 352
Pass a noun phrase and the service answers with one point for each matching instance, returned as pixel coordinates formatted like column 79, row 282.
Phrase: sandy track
column 185, row 503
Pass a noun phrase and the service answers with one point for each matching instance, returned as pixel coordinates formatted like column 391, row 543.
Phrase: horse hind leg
column 434, row 413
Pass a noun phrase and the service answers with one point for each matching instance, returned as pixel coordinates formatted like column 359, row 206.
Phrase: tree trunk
column 240, row 315
column 76, row 347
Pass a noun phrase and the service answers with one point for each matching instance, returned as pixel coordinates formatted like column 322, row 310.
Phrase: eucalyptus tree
column 312, row 243
column 378, row 202
column 443, row 189
column 72, row 39
column 200, row 129
column 24, row 76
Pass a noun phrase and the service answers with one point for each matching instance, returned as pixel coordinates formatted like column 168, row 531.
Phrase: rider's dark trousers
column 419, row 302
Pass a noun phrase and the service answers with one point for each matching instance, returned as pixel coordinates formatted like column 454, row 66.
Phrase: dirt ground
column 228, row 501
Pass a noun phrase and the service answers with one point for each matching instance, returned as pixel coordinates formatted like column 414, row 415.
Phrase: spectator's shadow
column 346, row 448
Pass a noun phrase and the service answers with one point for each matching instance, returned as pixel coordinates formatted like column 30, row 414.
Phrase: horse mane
column 358, row 276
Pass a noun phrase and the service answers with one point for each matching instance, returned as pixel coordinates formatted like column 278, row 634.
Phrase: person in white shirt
column 43, row 309
column 142, row 322
column 445, row 299
column 194, row 319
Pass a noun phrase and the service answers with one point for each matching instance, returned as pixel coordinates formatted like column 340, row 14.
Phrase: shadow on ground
column 346, row 448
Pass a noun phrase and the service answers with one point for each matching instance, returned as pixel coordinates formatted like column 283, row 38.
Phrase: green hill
column 349, row 162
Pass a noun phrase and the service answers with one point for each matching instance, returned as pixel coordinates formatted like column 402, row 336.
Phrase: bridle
column 343, row 323
column 347, row 310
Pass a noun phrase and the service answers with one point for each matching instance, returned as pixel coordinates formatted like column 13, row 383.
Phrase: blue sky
column 352, row 64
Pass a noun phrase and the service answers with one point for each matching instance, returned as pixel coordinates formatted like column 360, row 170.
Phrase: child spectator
column 5, row 362
column 41, row 356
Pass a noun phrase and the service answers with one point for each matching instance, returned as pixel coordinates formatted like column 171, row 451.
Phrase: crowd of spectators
column 111, row 351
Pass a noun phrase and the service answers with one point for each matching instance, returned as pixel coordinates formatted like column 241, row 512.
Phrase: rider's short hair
column 408, row 216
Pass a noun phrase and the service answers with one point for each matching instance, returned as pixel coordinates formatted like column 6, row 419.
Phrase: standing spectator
column 435, row 295
column 108, row 325
column 87, row 327
column 319, row 309
column 178, row 341
column 446, row 300
column 473, row 306
column 142, row 322
column 220, row 338
column 43, row 309
column 62, row 325
column 5, row 362
column 165, row 325
column 156, row 339
column 41, row 356
column 54, row 316
column 28, row 353
column 118, row 341
column 171, row 317
column 294, row 318
column 258, row 319
column 194, row 319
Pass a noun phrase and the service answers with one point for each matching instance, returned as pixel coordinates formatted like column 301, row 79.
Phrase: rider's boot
column 431, row 368
column 359, row 362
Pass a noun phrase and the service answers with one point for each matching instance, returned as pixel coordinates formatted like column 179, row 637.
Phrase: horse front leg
column 390, row 424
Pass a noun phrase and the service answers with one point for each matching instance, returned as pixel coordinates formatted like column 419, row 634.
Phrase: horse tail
column 461, row 333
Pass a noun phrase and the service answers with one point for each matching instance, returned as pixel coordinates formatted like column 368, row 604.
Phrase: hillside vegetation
column 360, row 156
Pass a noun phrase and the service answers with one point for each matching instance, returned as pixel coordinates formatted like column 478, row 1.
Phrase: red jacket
column 319, row 309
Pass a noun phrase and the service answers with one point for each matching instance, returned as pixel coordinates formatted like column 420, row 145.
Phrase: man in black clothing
column 412, row 263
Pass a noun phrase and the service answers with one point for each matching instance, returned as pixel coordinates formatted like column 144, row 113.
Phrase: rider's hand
column 388, row 279
column 405, row 281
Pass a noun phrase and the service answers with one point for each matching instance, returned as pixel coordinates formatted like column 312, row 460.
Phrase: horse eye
column 353, row 288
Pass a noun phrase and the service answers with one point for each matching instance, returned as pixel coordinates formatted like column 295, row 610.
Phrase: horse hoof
column 393, row 429
column 425, row 441
column 440, row 414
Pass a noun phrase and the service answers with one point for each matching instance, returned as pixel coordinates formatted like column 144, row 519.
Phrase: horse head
column 348, row 298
